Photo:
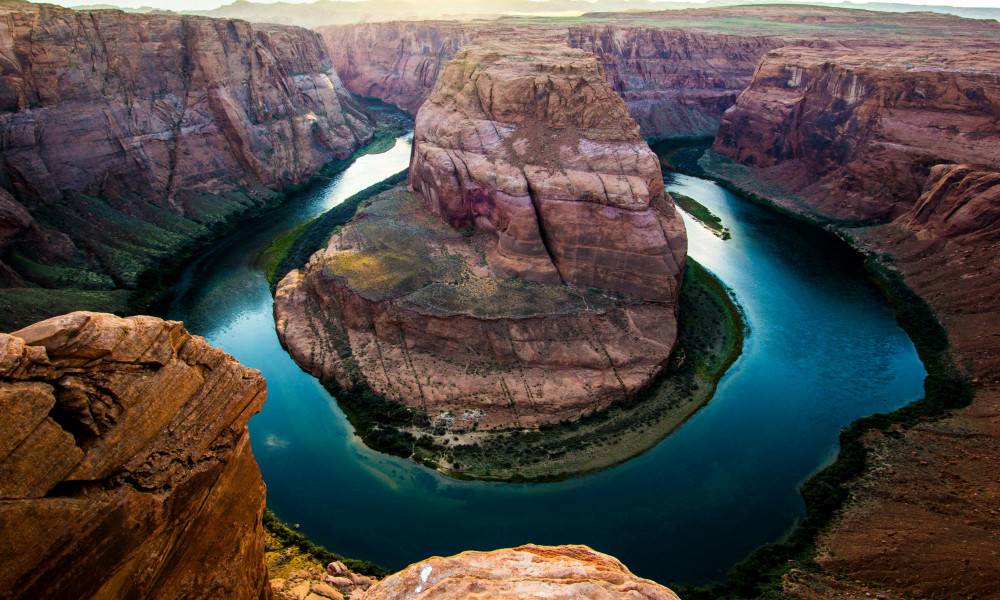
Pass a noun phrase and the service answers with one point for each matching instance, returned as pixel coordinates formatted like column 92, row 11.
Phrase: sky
column 210, row 4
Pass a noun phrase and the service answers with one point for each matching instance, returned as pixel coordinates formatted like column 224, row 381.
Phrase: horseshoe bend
column 530, row 276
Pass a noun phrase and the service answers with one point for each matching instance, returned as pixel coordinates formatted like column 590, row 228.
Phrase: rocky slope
column 907, row 135
column 125, row 465
column 530, row 571
column 124, row 136
column 858, row 135
column 529, row 176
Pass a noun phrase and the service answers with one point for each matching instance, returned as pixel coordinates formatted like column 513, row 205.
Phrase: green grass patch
column 288, row 538
column 20, row 307
column 700, row 212
column 710, row 338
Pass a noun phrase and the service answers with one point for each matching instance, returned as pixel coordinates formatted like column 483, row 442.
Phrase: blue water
column 824, row 349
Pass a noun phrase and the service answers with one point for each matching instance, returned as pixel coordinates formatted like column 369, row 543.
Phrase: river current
column 823, row 350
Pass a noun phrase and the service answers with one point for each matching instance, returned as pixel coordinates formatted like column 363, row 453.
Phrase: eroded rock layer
column 532, row 277
column 535, row 149
column 125, row 465
column 530, row 571
column 858, row 134
column 126, row 135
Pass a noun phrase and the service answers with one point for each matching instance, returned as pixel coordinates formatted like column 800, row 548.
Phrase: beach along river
column 823, row 350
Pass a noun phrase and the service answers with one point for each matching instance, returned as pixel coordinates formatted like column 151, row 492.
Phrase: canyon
column 530, row 277
column 126, row 138
column 897, row 147
column 678, row 70
column 497, row 251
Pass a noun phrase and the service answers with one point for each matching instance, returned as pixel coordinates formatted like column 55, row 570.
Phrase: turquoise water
column 824, row 349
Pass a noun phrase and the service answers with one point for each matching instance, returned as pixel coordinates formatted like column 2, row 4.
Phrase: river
column 824, row 349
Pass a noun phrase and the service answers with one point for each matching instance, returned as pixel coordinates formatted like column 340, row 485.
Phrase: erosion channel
column 823, row 349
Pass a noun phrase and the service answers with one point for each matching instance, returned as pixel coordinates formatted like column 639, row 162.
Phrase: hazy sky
column 209, row 4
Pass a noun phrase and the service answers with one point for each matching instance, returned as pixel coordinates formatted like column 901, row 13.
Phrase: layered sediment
column 126, row 465
column 125, row 136
column 532, row 276
column 858, row 135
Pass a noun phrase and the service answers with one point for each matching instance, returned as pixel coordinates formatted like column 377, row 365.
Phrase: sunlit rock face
column 532, row 273
column 125, row 463
column 530, row 571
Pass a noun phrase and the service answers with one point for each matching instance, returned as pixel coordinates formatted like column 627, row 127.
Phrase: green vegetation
column 293, row 250
column 945, row 388
column 701, row 214
column 20, row 307
column 295, row 548
column 710, row 338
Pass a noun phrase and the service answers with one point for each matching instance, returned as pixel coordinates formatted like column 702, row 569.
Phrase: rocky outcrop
column 125, row 465
column 530, row 571
column 536, row 150
column 961, row 202
column 857, row 135
column 532, row 278
column 135, row 133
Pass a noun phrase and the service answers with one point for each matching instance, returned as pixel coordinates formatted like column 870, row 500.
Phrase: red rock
column 530, row 571
column 475, row 326
column 857, row 134
column 125, row 466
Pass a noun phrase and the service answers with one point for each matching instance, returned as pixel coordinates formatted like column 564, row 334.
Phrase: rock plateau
column 125, row 465
column 532, row 275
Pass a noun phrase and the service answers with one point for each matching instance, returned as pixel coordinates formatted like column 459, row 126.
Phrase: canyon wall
column 125, row 464
column 676, row 83
column 124, row 136
column 531, row 276
column 859, row 135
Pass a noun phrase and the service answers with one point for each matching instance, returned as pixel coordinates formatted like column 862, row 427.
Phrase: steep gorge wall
column 866, row 134
column 123, row 136
column 125, row 464
column 675, row 83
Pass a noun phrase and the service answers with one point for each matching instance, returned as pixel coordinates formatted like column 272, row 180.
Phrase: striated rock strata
column 530, row 571
column 124, row 136
column 532, row 277
column 125, row 465
column 859, row 135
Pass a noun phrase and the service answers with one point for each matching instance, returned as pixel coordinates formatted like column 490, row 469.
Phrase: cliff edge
column 125, row 463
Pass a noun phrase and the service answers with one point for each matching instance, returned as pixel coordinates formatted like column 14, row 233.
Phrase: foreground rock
column 125, row 136
column 560, row 572
column 125, row 465
column 534, row 276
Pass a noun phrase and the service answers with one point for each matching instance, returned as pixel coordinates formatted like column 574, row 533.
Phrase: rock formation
column 534, row 275
column 125, row 464
column 530, row 571
column 857, row 135
column 133, row 134
column 678, row 70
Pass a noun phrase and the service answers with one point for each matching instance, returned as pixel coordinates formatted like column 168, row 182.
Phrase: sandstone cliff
column 530, row 571
column 125, row 465
column 678, row 70
column 124, row 136
column 857, row 134
column 529, row 175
